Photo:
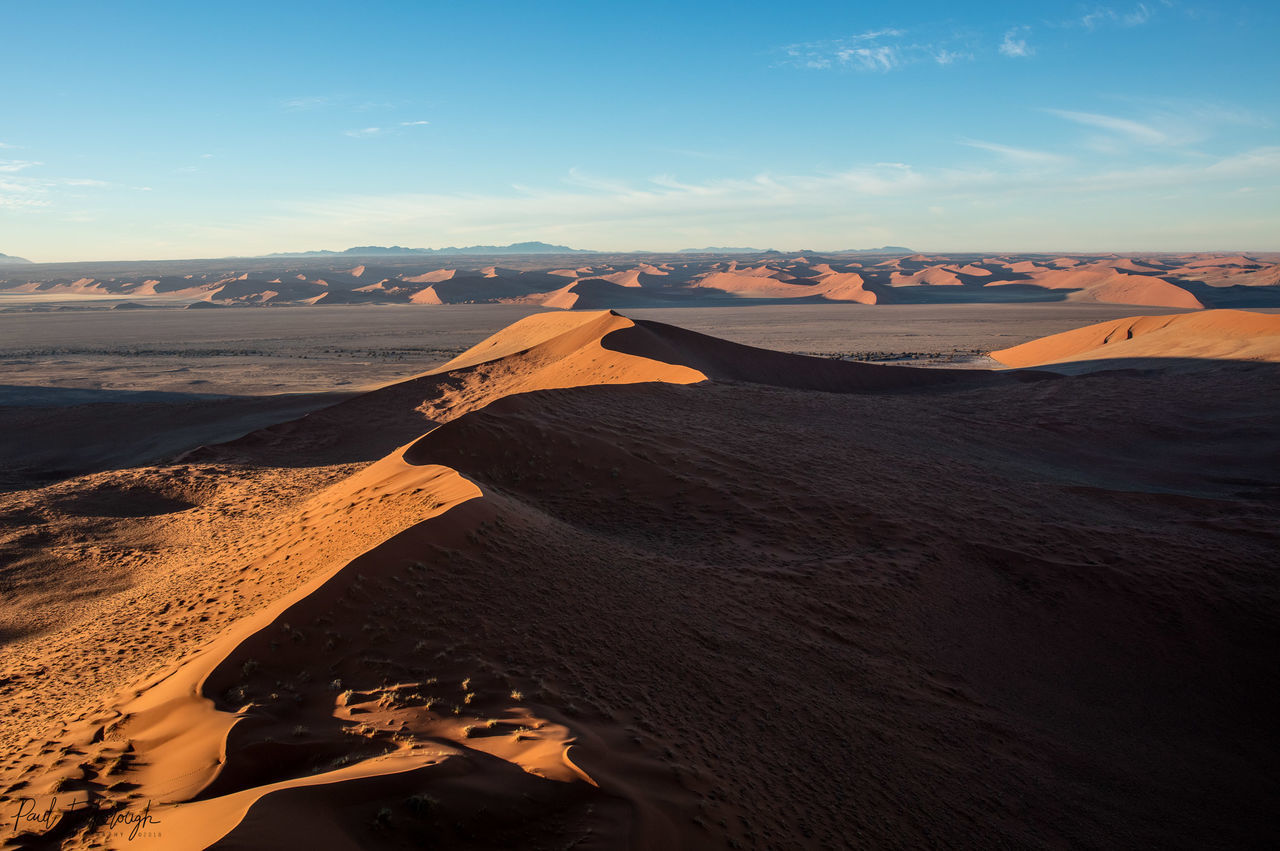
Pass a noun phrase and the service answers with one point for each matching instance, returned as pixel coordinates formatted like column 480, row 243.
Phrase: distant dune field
column 585, row 281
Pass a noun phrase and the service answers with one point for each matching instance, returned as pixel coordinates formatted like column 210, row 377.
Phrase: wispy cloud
column 1020, row 155
column 1134, row 130
column 369, row 132
column 873, row 50
column 1192, row 118
column 1014, row 46
column 1103, row 15
column 1171, row 124
column 882, row 58
column 28, row 191
column 305, row 103
column 887, row 49
column 946, row 57
column 1259, row 161
column 10, row 201
column 13, row 166
column 4, row 145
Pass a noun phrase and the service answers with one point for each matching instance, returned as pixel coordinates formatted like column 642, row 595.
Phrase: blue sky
column 158, row 130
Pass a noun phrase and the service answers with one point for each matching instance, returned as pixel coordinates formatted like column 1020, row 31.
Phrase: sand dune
column 753, row 283
column 620, row 585
column 756, row 283
column 1112, row 283
column 553, row 351
column 1237, row 260
column 82, row 286
column 1023, row 267
column 937, row 276
column 627, row 278
column 844, row 286
column 1237, row 271
column 433, row 277
column 1213, row 335
column 1138, row 289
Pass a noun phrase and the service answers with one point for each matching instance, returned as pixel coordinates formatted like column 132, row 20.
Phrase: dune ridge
column 557, row 350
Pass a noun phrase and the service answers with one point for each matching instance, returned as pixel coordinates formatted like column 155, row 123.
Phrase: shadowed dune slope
column 722, row 360
column 1211, row 335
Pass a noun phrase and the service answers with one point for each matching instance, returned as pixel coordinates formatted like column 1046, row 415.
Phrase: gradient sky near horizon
column 160, row 130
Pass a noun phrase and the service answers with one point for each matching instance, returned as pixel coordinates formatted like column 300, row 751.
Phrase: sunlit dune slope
column 1211, row 335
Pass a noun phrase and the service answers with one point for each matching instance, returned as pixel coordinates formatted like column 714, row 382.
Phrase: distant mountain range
column 720, row 249
column 884, row 249
column 546, row 248
column 381, row 250
column 10, row 260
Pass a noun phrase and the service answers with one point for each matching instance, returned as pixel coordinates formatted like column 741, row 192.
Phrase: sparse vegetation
column 421, row 804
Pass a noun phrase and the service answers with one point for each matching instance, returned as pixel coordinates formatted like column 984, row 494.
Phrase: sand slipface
column 1214, row 335
column 616, row 584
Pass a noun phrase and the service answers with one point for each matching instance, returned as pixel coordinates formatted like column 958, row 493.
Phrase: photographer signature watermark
column 31, row 815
